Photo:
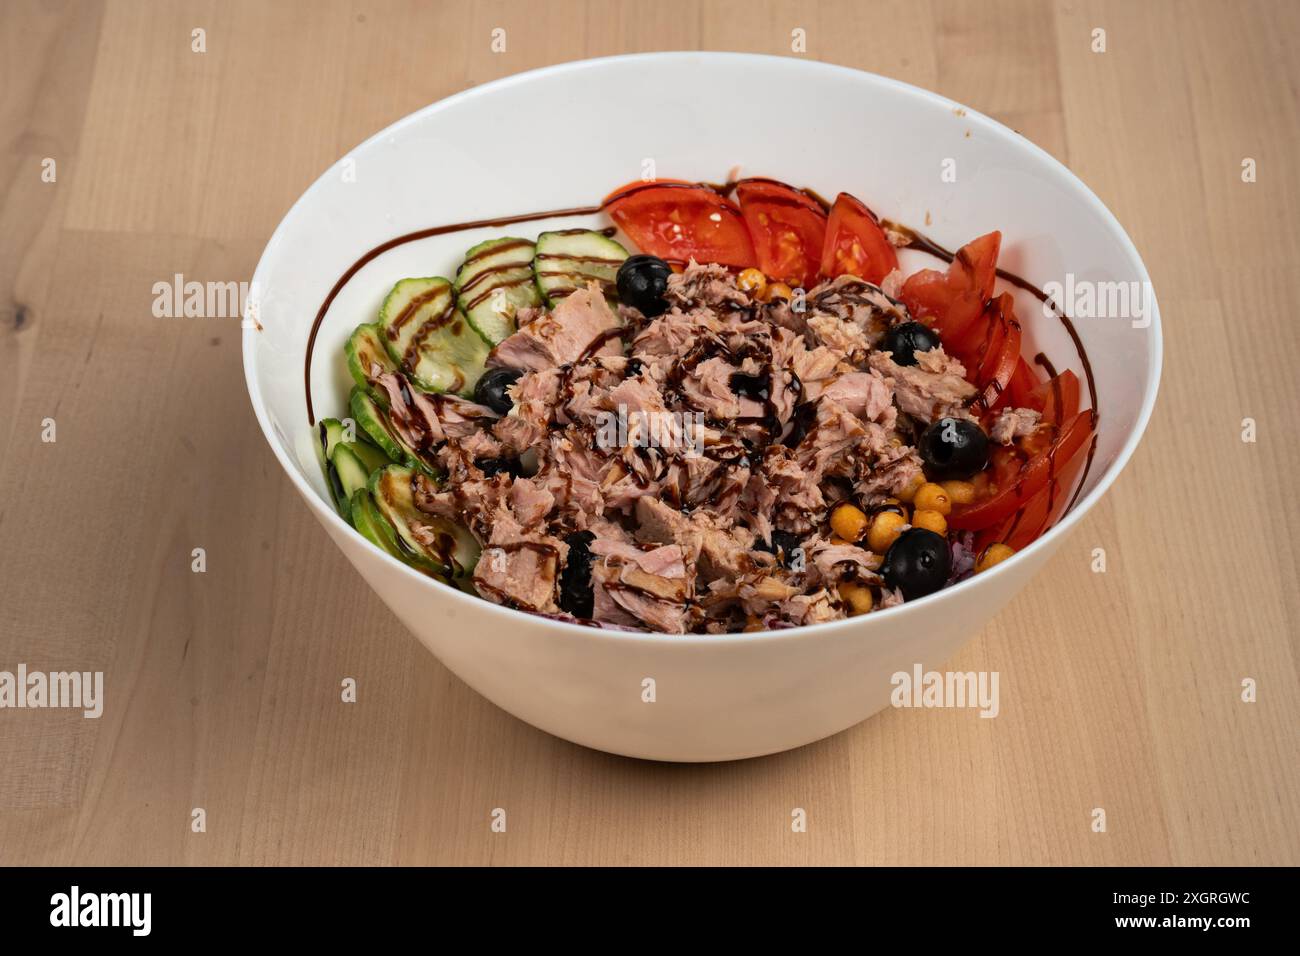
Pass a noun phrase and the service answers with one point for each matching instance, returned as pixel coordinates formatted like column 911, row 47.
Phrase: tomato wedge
column 1038, row 514
column 1045, row 509
column 1024, row 382
column 978, row 353
column 998, row 365
column 679, row 221
column 788, row 228
column 855, row 243
column 1017, row 384
column 952, row 302
column 1058, row 398
column 1014, row 493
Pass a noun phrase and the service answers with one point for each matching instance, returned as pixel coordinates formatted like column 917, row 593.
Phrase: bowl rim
column 561, row 628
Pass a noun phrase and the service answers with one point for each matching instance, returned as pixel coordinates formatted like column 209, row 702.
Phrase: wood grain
column 1120, row 690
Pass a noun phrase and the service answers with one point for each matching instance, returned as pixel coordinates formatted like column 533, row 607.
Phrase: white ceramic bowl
column 564, row 136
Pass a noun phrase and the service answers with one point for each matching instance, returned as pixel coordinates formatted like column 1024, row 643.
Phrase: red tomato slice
column 1024, row 380
column 855, row 243
column 975, row 267
column 995, row 370
column 788, row 228
column 1017, row 384
column 978, row 356
column 953, row 301
column 1045, row 509
column 1014, row 493
column 679, row 221
column 959, row 321
column 1058, row 398
column 926, row 294
column 1006, row 462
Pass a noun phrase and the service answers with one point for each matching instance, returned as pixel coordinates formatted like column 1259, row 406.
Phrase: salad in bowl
column 728, row 410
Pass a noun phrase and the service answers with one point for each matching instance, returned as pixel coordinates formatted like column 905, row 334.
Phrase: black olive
column 953, row 448
column 783, row 545
column 575, row 580
column 496, row 466
column 491, row 389
column 917, row 563
column 642, row 282
column 905, row 340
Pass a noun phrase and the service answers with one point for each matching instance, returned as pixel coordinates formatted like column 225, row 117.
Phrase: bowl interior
column 565, row 136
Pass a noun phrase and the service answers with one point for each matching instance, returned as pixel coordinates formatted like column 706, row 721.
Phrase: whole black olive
column 642, row 282
column 953, row 448
column 905, row 340
column 491, row 389
column 783, row 545
column 497, row 466
column 916, row 563
column 575, row 580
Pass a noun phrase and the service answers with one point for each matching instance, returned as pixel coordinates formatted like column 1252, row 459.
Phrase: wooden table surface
column 1120, row 690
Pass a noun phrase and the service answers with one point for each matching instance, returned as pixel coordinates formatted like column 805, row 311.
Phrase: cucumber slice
column 353, row 463
column 493, row 283
column 567, row 260
column 367, row 520
column 429, row 339
column 373, row 421
column 349, row 470
column 371, row 457
column 347, row 465
column 329, row 433
column 365, row 350
column 453, row 550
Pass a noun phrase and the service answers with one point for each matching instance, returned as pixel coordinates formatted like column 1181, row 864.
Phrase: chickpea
column 859, row 597
column 777, row 290
column 994, row 554
column 848, row 522
column 930, row 521
column 886, row 526
column 909, row 493
column 932, row 497
column 752, row 281
column 961, row 492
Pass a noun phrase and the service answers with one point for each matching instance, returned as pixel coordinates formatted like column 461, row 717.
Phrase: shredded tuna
column 709, row 285
column 692, row 448
column 650, row 587
column 865, row 394
column 1013, row 423
column 579, row 323
column 851, row 314
column 520, row 568
column 828, row 564
column 932, row 388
